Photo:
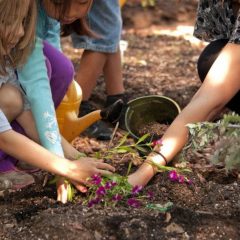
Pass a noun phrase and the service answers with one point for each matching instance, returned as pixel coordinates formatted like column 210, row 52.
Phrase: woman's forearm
column 176, row 135
column 220, row 85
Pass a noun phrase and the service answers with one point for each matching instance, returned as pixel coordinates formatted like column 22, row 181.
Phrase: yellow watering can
column 67, row 113
column 122, row 2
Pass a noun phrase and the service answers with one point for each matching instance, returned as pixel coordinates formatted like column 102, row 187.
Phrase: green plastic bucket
column 152, row 108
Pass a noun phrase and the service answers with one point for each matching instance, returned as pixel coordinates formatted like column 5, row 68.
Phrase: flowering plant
column 112, row 190
column 224, row 137
column 174, row 176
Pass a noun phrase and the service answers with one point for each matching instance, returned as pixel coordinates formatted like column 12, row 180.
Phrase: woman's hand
column 146, row 171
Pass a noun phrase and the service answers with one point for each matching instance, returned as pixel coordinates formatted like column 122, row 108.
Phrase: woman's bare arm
column 220, row 85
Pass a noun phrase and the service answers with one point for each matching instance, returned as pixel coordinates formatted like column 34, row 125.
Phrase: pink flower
column 117, row 197
column 189, row 181
column 150, row 195
column 110, row 185
column 133, row 202
column 94, row 202
column 173, row 176
column 96, row 179
column 114, row 184
column 136, row 189
column 157, row 142
column 101, row 191
column 181, row 179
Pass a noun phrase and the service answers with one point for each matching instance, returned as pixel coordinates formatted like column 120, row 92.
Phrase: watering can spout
column 74, row 125
column 67, row 113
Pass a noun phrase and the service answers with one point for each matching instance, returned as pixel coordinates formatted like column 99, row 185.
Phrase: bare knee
column 11, row 101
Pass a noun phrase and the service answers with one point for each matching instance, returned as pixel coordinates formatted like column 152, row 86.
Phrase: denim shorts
column 11, row 78
column 105, row 20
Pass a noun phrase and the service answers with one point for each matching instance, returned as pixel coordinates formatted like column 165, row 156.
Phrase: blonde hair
column 11, row 17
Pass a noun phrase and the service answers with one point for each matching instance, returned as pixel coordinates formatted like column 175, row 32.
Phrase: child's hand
column 80, row 170
column 62, row 190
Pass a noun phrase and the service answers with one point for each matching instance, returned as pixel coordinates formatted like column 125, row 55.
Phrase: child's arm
column 34, row 79
column 24, row 149
column 53, row 33
column 26, row 120
column 69, row 151
column 48, row 28
column 220, row 85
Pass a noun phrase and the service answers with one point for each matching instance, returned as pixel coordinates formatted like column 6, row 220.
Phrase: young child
column 101, row 55
column 14, row 49
column 219, row 23
column 37, row 88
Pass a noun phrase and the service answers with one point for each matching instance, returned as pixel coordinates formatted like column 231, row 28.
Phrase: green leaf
column 123, row 140
column 160, row 207
column 54, row 180
column 98, row 155
column 123, row 149
column 115, row 177
column 70, row 192
column 142, row 149
column 129, row 168
column 143, row 138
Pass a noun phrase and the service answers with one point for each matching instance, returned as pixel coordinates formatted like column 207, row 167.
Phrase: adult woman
column 219, row 23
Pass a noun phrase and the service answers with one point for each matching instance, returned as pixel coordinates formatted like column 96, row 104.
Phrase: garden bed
column 209, row 208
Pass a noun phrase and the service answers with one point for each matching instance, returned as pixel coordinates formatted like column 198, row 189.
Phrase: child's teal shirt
column 34, row 80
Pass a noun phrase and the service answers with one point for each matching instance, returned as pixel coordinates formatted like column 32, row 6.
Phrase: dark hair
column 80, row 26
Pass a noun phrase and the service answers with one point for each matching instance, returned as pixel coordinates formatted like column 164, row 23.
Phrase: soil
column 208, row 209
column 154, row 129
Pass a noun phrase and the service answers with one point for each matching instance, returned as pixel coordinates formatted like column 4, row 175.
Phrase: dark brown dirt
column 154, row 129
column 207, row 209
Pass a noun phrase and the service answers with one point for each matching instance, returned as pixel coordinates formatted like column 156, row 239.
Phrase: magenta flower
column 157, row 142
column 173, row 176
column 136, row 189
column 101, row 191
column 181, row 179
column 96, row 179
column 94, row 202
column 133, row 203
column 114, row 184
column 150, row 195
column 189, row 181
column 117, row 197
column 110, row 185
column 90, row 203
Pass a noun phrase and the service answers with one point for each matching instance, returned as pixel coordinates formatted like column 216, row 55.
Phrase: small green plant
column 112, row 190
column 115, row 189
column 124, row 148
column 224, row 135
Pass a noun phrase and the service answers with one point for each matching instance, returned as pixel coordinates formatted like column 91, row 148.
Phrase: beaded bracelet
column 164, row 158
